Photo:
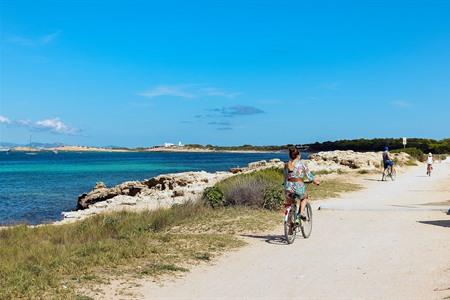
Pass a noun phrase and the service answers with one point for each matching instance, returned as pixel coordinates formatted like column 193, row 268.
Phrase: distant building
column 170, row 145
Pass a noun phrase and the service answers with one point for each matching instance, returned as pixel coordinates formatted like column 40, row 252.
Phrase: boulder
column 236, row 170
column 102, row 193
column 257, row 164
column 99, row 185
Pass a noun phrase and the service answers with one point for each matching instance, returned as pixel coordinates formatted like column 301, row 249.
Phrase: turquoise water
column 37, row 188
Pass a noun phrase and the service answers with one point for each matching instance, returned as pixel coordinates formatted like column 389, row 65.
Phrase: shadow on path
column 371, row 179
column 442, row 223
column 269, row 238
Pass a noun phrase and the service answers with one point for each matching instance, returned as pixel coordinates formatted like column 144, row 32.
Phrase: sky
column 140, row 73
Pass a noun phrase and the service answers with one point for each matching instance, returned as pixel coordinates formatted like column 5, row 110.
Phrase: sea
column 36, row 187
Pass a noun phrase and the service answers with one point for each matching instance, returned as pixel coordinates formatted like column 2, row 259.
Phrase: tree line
column 361, row 145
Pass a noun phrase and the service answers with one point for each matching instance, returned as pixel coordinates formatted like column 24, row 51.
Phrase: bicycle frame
column 288, row 208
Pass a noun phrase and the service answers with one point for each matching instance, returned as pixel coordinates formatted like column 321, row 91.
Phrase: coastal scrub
column 55, row 261
column 264, row 189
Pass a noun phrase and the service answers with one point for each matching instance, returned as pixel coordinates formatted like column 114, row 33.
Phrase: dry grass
column 52, row 261
column 331, row 188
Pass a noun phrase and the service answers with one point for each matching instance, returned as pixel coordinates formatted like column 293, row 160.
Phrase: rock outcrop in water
column 166, row 190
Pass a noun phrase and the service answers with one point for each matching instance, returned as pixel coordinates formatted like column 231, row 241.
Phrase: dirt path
column 389, row 241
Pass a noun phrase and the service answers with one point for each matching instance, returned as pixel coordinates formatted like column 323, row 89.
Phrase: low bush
column 273, row 198
column 214, row 197
column 413, row 152
column 261, row 189
column 264, row 189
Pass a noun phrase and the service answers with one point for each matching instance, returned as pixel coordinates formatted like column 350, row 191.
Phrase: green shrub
column 261, row 189
column 214, row 196
column 273, row 198
column 413, row 152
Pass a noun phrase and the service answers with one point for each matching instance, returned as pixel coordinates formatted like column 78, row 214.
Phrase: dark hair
column 293, row 152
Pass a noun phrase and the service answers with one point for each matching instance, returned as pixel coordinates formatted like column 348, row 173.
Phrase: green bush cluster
column 262, row 189
column 273, row 198
column 413, row 152
column 214, row 197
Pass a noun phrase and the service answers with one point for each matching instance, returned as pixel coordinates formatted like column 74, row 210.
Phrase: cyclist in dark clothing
column 387, row 162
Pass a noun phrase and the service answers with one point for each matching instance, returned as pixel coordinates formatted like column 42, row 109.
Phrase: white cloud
column 4, row 120
column 21, row 41
column 188, row 91
column 36, row 41
column 24, row 123
column 332, row 86
column 48, row 38
column 55, row 125
column 400, row 104
column 210, row 91
column 166, row 90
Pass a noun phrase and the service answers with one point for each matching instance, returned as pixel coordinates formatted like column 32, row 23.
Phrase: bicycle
column 390, row 173
column 291, row 227
column 429, row 169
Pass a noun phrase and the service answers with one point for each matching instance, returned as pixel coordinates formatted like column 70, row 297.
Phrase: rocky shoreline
column 169, row 189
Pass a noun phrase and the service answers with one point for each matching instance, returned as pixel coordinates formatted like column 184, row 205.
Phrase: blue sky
column 136, row 73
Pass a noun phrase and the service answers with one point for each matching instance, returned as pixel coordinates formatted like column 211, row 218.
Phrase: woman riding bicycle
column 294, row 172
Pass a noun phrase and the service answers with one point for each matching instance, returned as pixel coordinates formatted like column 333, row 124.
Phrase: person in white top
column 429, row 164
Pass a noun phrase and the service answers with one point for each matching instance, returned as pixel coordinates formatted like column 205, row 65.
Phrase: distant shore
column 152, row 149
column 199, row 150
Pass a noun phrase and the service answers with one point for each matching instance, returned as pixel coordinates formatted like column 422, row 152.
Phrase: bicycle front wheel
column 306, row 225
column 393, row 174
column 289, row 227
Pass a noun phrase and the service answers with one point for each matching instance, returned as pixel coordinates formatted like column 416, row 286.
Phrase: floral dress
column 300, row 171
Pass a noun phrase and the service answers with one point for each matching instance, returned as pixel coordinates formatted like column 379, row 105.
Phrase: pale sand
column 86, row 149
column 198, row 150
column 388, row 241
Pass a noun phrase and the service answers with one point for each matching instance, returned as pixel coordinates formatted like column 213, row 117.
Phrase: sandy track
column 389, row 241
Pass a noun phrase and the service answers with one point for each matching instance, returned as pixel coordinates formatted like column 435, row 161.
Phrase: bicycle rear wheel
column 392, row 174
column 289, row 227
column 306, row 226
